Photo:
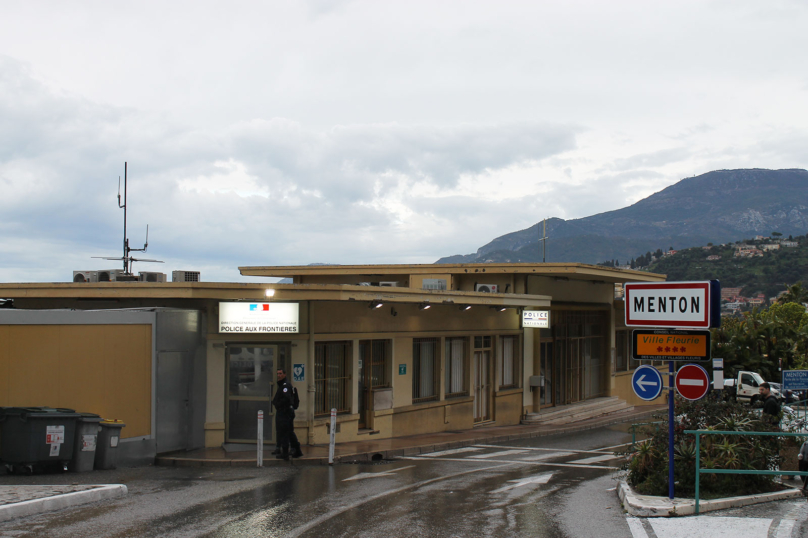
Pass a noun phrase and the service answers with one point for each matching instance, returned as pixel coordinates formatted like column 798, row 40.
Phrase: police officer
column 285, row 417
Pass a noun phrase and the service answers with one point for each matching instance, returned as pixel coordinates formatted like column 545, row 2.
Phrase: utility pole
column 543, row 241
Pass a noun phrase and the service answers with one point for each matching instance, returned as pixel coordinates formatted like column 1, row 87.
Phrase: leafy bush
column 648, row 464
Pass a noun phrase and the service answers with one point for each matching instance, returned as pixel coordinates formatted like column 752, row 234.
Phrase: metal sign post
column 671, row 313
column 333, row 437
column 259, row 456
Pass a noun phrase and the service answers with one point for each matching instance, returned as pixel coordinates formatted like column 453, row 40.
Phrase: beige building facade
column 395, row 349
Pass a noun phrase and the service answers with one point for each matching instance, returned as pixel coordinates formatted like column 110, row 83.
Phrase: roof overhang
column 257, row 292
column 571, row 271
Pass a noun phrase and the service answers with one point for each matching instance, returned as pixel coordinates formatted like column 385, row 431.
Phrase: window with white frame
column 508, row 361
column 424, row 369
column 455, row 367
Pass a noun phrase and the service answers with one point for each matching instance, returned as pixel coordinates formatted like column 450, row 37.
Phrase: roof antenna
column 127, row 259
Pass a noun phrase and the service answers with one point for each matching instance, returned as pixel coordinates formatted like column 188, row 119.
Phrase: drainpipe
column 312, row 386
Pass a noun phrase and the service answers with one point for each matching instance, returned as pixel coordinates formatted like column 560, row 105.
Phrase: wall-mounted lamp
column 393, row 311
column 424, row 306
column 561, row 278
column 499, row 308
column 465, row 307
column 375, row 304
column 270, row 293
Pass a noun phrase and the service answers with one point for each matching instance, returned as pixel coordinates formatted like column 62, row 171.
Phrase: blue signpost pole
column 671, row 393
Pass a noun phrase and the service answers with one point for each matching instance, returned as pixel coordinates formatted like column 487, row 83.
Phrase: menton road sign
column 680, row 305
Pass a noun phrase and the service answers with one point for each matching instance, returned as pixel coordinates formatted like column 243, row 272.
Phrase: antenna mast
column 543, row 241
column 126, row 258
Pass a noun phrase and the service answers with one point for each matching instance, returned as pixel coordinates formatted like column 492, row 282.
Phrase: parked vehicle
column 745, row 387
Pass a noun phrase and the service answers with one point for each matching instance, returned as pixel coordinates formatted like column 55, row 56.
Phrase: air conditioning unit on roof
column 389, row 284
column 486, row 288
column 148, row 276
column 110, row 275
column 185, row 276
column 85, row 276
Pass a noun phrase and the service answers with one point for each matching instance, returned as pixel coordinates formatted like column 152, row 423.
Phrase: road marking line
column 635, row 526
column 594, row 459
column 496, row 454
column 453, row 451
column 360, row 476
column 540, row 479
column 598, row 451
column 546, row 456
column 518, row 462
column 784, row 529
column 723, row 527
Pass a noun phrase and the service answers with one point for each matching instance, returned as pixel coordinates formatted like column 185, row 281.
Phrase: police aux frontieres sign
column 259, row 317
column 681, row 305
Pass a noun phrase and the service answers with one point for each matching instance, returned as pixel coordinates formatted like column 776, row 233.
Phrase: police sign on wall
column 245, row 317
column 538, row 319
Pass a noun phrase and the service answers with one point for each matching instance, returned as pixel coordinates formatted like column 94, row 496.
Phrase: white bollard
column 333, row 438
column 259, row 457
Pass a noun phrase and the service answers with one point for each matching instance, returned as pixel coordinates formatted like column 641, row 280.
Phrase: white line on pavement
column 452, row 451
column 496, row 454
column 518, row 462
column 785, row 528
column 539, row 479
column 551, row 455
column 594, row 459
column 599, row 451
column 635, row 526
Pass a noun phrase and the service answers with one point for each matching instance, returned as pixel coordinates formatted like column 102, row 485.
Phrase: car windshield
column 757, row 377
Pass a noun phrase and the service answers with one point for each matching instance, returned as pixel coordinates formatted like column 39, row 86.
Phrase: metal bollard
column 259, row 457
column 333, row 438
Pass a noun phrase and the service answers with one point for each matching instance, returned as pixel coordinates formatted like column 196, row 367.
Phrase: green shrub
column 648, row 464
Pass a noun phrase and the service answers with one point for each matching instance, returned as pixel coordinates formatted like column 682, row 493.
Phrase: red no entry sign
column 692, row 382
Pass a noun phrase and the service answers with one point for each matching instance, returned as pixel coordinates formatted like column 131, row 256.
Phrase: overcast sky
column 293, row 132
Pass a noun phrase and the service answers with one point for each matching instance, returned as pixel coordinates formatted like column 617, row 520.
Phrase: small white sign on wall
column 245, row 317
column 536, row 319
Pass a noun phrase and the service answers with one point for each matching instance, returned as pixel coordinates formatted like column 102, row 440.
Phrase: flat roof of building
column 573, row 271
column 227, row 291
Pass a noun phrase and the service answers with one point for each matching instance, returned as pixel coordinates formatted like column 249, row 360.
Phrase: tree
column 776, row 234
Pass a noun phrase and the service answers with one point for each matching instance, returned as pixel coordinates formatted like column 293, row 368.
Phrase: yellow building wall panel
column 103, row 369
column 508, row 408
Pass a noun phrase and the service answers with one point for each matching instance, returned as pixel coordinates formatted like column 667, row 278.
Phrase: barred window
column 376, row 356
column 424, row 369
column 508, row 361
column 455, row 368
column 331, row 377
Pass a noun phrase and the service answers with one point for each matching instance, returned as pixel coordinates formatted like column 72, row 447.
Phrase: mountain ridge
column 717, row 207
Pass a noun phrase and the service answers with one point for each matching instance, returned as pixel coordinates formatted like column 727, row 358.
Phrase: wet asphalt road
column 539, row 488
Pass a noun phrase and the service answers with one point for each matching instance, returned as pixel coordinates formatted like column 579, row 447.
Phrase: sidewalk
column 382, row 449
column 19, row 500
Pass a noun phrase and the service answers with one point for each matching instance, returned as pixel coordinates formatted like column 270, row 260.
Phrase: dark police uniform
column 284, row 420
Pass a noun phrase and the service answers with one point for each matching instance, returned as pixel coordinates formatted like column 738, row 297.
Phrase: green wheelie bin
column 36, row 437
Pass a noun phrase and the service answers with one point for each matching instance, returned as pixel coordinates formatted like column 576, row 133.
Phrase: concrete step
column 578, row 411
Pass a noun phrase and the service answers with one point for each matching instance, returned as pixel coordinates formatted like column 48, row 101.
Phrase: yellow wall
column 571, row 290
column 508, row 407
column 103, row 369
column 355, row 318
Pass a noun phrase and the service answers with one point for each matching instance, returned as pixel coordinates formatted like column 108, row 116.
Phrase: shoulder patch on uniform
column 285, row 389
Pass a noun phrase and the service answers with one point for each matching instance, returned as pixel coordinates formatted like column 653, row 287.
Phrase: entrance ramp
column 566, row 414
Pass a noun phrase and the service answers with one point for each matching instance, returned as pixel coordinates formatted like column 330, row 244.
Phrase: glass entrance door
column 251, row 375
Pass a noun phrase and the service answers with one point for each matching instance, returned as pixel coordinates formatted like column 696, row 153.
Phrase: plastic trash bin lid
column 89, row 417
column 113, row 422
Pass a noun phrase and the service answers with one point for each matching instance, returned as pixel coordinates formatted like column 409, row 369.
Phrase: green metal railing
column 633, row 430
column 699, row 470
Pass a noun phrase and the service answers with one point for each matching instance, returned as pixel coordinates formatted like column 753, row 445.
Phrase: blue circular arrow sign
column 647, row 382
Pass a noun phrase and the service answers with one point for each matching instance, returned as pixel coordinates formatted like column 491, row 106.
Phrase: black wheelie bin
column 36, row 437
